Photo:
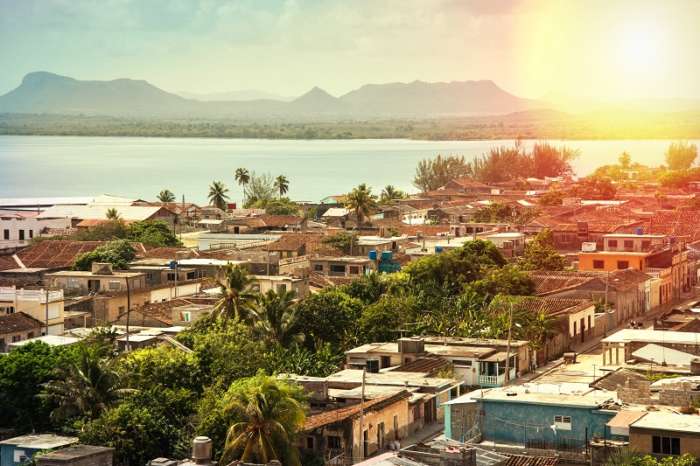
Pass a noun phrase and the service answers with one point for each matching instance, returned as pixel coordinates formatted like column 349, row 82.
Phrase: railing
column 495, row 380
column 10, row 293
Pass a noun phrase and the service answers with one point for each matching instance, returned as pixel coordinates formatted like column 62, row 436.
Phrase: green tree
column 434, row 173
column 329, row 317
column 681, row 155
column 23, row 371
column 629, row 457
column 508, row 280
column 383, row 320
column 155, row 233
column 86, row 387
column 236, row 295
column 166, row 195
column 104, row 231
column 390, row 193
column 320, row 362
column 218, row 195
column 269, row 413
column 112, row 214
column 260, row 190
column 540, row 254
column 275, row 318
column 281, row 206
column 118, row 253
column 242, row 176
column 362, row 201
column 282, row 185
column 343, row 241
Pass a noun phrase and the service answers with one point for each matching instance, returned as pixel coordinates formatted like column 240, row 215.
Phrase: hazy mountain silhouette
column 43, row 92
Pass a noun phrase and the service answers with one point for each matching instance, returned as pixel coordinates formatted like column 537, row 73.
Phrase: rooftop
column 653, row 336
column 40, row 441
column 17, row 322
column 51, row 340
column 393, row 378
column 669, row 422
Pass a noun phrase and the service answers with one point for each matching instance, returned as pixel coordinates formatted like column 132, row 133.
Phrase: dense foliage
column 156, row 233
column 118, row 253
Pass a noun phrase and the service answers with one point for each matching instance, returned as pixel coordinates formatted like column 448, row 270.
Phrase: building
column 620, row 346
column 77, row 455
column 348, row 266
column 19, row 450
column 666, row 434
column 278, row 283
column 16, row 327
column 474, row 362
column 101, row 278
column 18, row 227
column 43, row 305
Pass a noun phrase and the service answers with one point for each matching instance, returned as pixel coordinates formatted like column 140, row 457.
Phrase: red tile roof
column 50, row 254
column 18, row 322
column 523, row 460
column 341, row 414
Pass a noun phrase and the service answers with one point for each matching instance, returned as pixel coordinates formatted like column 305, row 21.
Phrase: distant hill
column 243, row 96
column 48, row 93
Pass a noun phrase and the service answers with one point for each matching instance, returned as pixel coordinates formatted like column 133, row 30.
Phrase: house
column 347, row 266
column 43, row 305
column 533, row 416
column 77, row 455
column 97, row 212
column 509, row 243
column 336, row 217
column 356, row 431
column 18, row 227
column 472, row 361
column 278, row 283
column 620, row 346
column 267, row 223
column 666, row 434
column 466, row 185
column 100, row 278
column 18, row 450
column 365, row 244
column 16, row 327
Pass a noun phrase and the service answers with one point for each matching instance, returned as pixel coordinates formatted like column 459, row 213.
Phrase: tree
column 275, row 318
column 625, row 160
column 259, row 191
column 242, row 176
column 551, row 161
column 155, row 233
column 681, row 155
column 362, row 201
column 343, row 241
column 383, row 320
column 281, row 206
column 218, row 195
column 269, row 413
column 540, row 254
column 389, row 193
column 494, row 213
column 166, row 196
column 329, row 317
column 594, row 187
column 507, row 280
column 320, row 362
column 112, row 214
column 628, row 457
column 236, row 295
column 118, row 253
column 434, row 173
column 86, row 387
column 282, row 185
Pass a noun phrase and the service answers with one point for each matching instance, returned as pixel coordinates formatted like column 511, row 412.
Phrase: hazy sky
column 596, row 48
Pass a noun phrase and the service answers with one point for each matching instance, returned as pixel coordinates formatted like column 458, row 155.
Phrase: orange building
column 609, row 261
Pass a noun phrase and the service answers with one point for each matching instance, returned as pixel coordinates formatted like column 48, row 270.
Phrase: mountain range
column 47, row 93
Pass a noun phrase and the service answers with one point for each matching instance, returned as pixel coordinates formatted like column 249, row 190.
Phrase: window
column 333, row 442
column 2, row 345
column 461, row 362
column 598, row 264
column 629, row 244
column 310, row 443
column 121, row 309
column 318, row 267
column 666, row 445
column 354, row 270
column 281, row 287
column 6, row 234
column 386, row 361
column 30, row 335
column 646, row 245
column 562, row 422
column 31, row 233
column 623, row 265
column 21, row 235
column 15, row 338
column 612, row 243
column 171, row 276
column 373, row 366
column 115, row 285
column 337, row 268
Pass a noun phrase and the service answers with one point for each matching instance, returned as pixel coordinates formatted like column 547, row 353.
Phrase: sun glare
column 639, row 48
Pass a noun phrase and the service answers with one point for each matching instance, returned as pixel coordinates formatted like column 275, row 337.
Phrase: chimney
column 101, row 268
column 201, row 450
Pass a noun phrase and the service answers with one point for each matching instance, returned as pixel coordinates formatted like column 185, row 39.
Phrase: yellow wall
column 372, row 420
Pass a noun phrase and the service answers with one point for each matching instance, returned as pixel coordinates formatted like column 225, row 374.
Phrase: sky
column 593, row 49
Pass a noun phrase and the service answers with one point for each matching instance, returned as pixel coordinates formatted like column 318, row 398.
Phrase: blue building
column 524, row 416
column 18, row 450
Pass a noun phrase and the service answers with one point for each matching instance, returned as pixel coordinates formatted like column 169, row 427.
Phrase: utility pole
column 128, row 314
column 47, row 311
column 510, row 328
column 362, row 416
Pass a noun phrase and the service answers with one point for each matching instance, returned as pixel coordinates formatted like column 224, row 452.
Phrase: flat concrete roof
column 565, row 394
column 40, row 441
column 653, row 336
column 51, row 340
column 669, row 421
column 87, row 273
column 395, row 378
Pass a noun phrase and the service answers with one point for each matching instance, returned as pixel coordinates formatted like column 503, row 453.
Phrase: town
column 506, row 313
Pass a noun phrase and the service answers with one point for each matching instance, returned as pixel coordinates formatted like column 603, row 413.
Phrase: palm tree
column 389, row 193
column 86, row 387
column 236, row 295
column 362, row 201
column 217, row 195
column 275, row 318
column 166, row 195
column 271, row 413
column 112, row 214
column 242, row 176
column 282, row 185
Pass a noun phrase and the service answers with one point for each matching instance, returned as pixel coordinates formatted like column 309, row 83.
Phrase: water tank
column 386, row 256
column 201, row 450
column 639, row 230
column 438, row 249
column 373, row 255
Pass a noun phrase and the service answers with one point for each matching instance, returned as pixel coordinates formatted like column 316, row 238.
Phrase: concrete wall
column 641, row 440
column 372, row 419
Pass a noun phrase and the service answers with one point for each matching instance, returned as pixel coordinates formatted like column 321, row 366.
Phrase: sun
column 639, row 47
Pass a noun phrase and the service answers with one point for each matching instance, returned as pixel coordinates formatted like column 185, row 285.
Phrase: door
column 365, row 444
column 380, row 436
column 94, row 285
column 583, row 329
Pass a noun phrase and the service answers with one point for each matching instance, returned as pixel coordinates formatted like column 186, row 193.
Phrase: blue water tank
column 639, row 230
column 373, row 254
column 386, row 256
column 438, row 249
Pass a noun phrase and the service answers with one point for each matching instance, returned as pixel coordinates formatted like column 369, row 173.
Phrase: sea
column 37, row 166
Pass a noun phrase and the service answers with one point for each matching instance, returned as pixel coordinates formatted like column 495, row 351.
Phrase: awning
column 620, row 424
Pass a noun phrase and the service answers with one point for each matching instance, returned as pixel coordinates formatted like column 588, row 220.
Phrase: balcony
column 495, row 380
